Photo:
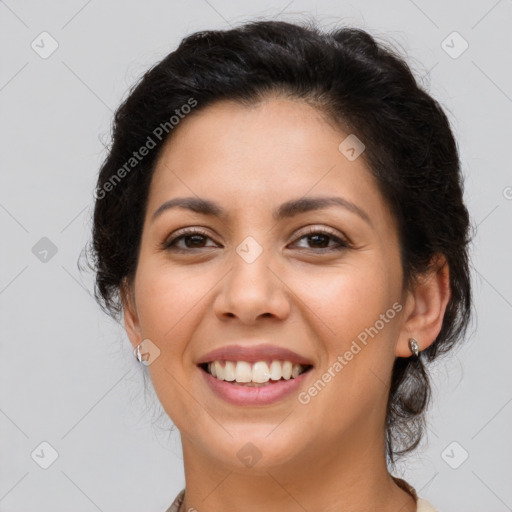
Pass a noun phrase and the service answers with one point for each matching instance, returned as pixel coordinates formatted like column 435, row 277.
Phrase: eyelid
column 318, row 228
column 314, row 227
column 189, row 230
column 186, row 231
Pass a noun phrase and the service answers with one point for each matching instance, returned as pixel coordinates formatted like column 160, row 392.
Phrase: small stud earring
column 414, row 347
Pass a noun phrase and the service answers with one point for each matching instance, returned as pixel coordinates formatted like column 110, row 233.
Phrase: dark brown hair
column 359, row 84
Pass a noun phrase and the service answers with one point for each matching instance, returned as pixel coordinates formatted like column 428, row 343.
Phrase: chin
column 255, row 448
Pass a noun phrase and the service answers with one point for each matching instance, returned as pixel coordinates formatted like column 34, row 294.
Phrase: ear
column 425, row 306
column 130, row 315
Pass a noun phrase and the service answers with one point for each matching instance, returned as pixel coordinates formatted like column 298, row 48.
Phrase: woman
column 280, row 223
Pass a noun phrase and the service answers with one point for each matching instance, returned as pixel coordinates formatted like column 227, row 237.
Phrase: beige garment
column 421, row 504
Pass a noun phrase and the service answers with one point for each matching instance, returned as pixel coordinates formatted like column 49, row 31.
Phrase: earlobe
column 429, row 298
column 130, row 315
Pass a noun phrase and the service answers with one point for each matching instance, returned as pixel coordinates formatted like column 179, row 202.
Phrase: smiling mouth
column 257, row 374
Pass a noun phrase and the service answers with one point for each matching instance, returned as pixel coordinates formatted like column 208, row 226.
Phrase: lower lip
column 252, row 395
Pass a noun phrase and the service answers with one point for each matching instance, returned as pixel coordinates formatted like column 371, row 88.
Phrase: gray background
column 68, row 376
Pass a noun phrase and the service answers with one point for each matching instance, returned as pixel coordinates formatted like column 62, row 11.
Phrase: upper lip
column 253, row 353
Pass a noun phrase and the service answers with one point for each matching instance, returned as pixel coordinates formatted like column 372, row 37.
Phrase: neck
column 349, row 478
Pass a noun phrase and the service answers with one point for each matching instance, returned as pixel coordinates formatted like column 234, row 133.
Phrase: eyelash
column 169, row 244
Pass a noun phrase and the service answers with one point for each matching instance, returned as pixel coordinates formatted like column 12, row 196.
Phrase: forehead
column 267, row 153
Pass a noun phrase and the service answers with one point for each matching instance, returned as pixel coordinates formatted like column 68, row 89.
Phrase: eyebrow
column 286, row 210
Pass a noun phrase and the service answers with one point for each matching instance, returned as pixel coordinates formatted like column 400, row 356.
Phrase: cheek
column 168, row 305
column 357, row 325
column 167, row 300
column 347, row 300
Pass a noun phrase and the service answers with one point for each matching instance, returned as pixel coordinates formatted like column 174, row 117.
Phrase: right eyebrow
column 195, row 204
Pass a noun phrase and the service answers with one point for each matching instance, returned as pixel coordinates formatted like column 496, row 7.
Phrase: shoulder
column 421, row 504
column 176, row 504
column 425, row 506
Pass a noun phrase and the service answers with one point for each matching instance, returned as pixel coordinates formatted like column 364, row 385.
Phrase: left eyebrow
column 306, row 204
column 286, row 210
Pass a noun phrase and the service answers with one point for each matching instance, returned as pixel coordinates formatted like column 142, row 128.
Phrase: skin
column 328, row 454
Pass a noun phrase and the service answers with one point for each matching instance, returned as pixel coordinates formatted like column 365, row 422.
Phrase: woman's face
column 324, row 283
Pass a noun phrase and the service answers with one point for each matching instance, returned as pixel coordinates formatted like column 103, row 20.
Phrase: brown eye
column 323, row 240
column 187, row 240
column 319, row 239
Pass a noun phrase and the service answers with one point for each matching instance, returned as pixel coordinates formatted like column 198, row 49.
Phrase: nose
column 252, row 290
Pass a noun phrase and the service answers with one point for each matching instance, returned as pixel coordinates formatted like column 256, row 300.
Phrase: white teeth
column 259, row 372
column 287, row 370
column 229, row 371
column 243, row 371
column 275, row 370
column 219, row 370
